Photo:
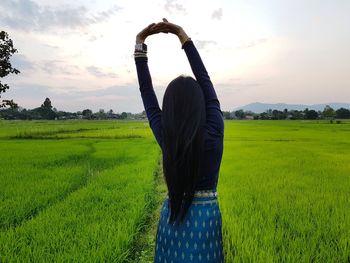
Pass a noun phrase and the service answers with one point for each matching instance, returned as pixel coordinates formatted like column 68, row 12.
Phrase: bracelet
column 139, row 54
column 141, row 47
column 139, row 51
column 188, row 39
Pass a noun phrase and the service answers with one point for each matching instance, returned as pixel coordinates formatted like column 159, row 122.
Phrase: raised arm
column 148, row 95
column 215, row 121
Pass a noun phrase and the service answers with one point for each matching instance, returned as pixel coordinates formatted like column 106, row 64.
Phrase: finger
column 150, row 26
column 158, row 25
column 153, row 28
column 147, row 28
column 159, row 30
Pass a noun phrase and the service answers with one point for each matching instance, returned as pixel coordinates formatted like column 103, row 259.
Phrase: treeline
column 47, row 112
column 327, row 113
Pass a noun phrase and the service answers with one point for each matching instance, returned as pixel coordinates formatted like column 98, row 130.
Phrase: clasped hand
column 162, row 27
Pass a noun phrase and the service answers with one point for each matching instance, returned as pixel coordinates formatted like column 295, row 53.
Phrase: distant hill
column 259, row 107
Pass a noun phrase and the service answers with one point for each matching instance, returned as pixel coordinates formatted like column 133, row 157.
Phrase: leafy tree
column 342, row 113
column 240, row 114
column 328, row 112
column 87, row 113
column 278, row 115
column 264, row 116
column 295, row 114
column 44, row 111
column 6, row 51
column 101, row 114
column 124, row 115
column 227, row 115
column 275, row 114
column 311, row 115
column 47, row 104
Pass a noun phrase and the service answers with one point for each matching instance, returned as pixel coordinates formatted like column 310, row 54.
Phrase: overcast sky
column 79, row 53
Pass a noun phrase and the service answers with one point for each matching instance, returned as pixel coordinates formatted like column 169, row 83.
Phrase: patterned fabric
column 197, row 239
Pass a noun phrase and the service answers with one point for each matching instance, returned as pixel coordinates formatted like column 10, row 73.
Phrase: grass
column 97, row 222
column 284, row 192
column 33, row 177
column 89, row 191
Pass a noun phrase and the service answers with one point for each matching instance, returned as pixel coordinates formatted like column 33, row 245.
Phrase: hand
column 167, row 27
column 149, row 30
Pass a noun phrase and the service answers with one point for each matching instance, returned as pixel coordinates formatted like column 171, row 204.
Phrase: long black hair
column 183, row 120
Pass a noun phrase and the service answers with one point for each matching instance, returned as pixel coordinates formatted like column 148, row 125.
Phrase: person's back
column 193, row 198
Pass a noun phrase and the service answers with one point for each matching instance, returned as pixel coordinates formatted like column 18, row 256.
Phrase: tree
column 311, row 115
column 240, row 114
column 47, row 104
column 45, row 110
column 227, row 115
column 6, row 51
column 342, row 113
column 296, row 115
column 87, row 113
column 124, row 115
column 276, row 114
column 264, row 116
column 328, row 112
column 101, row 114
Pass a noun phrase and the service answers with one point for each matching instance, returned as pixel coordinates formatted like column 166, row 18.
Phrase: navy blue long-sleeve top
column 214, row 127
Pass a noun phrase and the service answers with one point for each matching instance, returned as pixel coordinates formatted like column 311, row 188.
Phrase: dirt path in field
column 145, row 242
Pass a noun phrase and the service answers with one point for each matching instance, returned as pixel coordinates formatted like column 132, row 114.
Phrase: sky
column 80, row 53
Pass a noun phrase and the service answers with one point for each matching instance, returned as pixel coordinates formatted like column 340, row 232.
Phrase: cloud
column 27, row 15
column 125, row 91
column 57, row 67
column 95, row 37
column 172, row 6
column 238, row 85
column 217, row 14
column 99, row 73
column 50, row 46
column 51, row 67
column 21, row 62
column 119, row 98
column 200, row 44
column 253, row 43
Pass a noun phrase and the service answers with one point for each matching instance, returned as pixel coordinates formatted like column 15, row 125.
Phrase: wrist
column 183, row 37
column 140, row 40
column 141, row 48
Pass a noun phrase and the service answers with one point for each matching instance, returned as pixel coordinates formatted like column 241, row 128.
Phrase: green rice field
column 90, row 191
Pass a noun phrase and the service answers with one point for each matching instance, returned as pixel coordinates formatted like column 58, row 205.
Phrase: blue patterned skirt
column 197, row 239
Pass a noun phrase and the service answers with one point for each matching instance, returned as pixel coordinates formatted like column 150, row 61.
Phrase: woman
column 190, row 131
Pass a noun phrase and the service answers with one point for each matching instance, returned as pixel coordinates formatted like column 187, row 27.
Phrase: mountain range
column 259, row 107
